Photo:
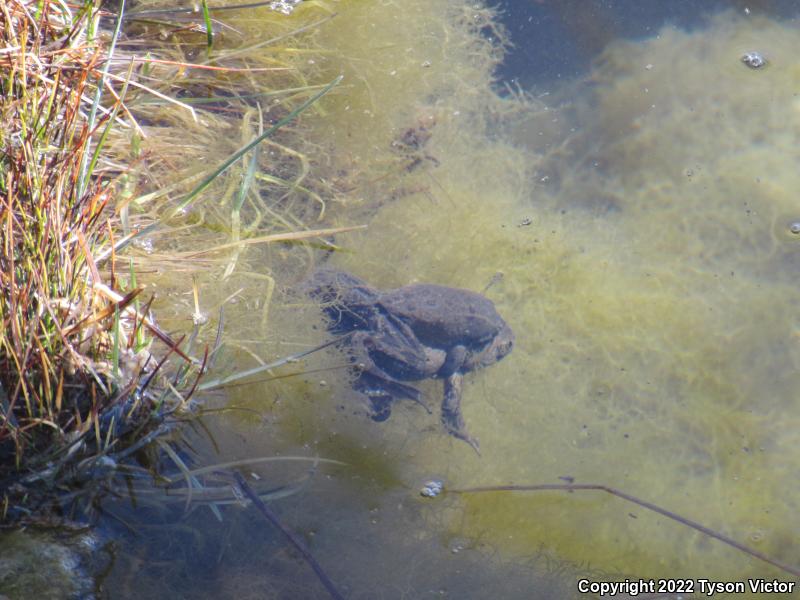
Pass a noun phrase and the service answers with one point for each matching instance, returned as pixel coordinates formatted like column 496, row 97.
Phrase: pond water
column 625, row 194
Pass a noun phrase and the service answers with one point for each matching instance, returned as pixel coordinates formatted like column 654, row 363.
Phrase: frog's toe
column 457, row 430
column 423, row 405
column 474, row 443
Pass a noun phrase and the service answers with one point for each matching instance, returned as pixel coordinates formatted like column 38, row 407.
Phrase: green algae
column 653, row 298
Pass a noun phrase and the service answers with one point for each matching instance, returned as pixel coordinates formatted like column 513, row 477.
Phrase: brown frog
column 412, row 333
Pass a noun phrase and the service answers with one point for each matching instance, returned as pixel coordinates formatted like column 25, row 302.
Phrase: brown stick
column 270, row 516
column 571, row 487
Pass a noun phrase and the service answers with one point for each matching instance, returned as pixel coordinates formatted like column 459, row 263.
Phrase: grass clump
column 80, row 389
column 75, row 362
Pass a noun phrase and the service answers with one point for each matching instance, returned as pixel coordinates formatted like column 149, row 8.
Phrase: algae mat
column 654, row 299
column 636, row 233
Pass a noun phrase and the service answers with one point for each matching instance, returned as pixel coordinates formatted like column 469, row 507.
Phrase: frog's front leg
column 452, row 419
column 456, row 357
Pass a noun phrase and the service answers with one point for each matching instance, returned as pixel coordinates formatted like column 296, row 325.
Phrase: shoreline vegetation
column 89, row 378
column 83, row 365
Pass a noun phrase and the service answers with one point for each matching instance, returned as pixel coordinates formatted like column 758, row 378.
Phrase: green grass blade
column 249, row 176
column 242, row 151
column 115, row 350
column 84, row 173
column 101, row 142
column 209, row 32
column 230, row 379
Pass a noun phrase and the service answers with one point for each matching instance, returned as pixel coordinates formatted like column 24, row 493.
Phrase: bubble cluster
column 432, row 488
column 754, row 60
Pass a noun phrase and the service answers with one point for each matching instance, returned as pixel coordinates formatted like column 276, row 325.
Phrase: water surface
column 634, row 221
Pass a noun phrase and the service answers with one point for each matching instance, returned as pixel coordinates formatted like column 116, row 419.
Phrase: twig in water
column 571, row 487
column 295, row 541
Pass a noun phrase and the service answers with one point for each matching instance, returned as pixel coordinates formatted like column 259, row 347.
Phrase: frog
column 412, row 333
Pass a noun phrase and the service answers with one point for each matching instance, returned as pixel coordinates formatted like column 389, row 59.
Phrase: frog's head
column 500, row 345
column 503, row 342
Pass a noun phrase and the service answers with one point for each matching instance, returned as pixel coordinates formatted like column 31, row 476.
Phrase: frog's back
column 444, row 316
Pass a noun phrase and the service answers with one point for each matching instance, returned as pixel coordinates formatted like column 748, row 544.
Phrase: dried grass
column 74, row 348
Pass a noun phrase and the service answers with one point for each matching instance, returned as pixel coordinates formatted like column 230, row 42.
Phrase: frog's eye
column 505, row 348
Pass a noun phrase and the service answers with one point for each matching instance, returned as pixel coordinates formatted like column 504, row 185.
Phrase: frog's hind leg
column 452, row 419
column 373, row 381
column 455, row 359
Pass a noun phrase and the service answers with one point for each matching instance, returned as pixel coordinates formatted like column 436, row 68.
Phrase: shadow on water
column 373, row 535
column 558, row 39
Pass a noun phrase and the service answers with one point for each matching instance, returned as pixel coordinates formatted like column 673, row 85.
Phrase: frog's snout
column 504, row 342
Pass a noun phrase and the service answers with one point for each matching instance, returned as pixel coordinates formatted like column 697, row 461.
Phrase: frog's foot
column 376, row 402
column 380, row 408
column 418, row 400
column 383, row 391
column 463, row 435
column 452, row 419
